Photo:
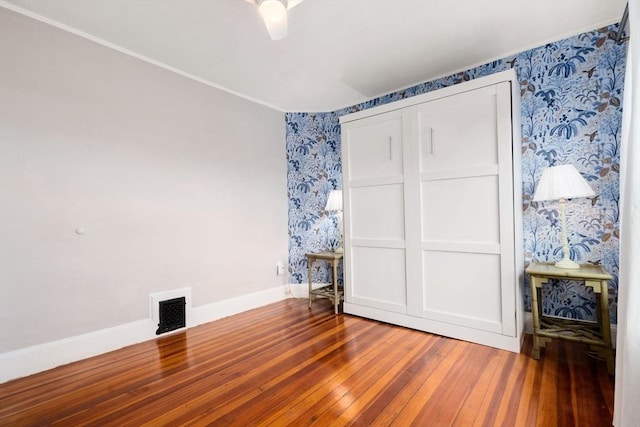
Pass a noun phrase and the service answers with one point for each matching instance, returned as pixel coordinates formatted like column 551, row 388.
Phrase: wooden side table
column 333, row 292
column 597, row 334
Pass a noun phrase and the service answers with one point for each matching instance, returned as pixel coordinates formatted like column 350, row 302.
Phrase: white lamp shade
column 274, row 14
column 334, row 202
column 562, row 182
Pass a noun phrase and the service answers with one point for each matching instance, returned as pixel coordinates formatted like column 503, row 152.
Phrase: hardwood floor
column 284, row 364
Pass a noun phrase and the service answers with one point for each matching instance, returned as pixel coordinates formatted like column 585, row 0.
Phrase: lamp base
column 568, row 264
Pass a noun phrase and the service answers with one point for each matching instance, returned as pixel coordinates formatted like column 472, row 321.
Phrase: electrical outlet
column 279, row 269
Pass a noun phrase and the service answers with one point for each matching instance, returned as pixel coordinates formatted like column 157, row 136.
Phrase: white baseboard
column 528, row 327
column 31, row 360
column 229, row 307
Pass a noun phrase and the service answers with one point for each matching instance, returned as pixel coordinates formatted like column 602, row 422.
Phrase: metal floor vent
column 172, row 315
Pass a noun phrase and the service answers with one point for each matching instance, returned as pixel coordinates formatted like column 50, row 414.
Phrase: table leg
column 536, row 311
column 336, row 297
column 310, row 275
column 602, row 303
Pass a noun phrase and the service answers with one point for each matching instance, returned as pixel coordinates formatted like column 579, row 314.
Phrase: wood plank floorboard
column 287, row 365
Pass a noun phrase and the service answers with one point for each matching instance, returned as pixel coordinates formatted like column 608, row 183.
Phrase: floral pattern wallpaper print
column 571, row 112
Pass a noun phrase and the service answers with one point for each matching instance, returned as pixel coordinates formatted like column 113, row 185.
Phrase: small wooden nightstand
column 598, row 334
column 332, row 292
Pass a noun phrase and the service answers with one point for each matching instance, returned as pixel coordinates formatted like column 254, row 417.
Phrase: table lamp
column 334, row 204
column 561, row 183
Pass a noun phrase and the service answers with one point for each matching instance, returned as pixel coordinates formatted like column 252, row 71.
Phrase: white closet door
column 465, row 200
column 374, row 212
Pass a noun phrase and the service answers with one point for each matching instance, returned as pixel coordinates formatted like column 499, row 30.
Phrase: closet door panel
column 458, row 131
column 378, row 277
column 377, row 212
column 460, row 288
column 375, row 147
column 461, row 210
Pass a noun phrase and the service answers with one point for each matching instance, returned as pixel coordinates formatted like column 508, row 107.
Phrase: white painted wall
column 175, row 184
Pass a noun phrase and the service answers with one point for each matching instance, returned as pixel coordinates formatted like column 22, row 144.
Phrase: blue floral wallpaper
column 571, row 95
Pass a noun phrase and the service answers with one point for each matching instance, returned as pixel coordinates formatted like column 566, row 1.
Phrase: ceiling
column 337, row 52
